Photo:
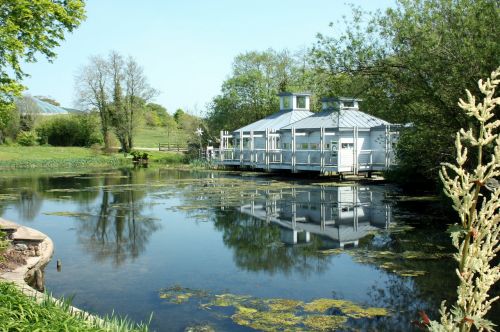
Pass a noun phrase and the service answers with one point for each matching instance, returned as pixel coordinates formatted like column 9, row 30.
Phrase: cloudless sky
column 186, row 47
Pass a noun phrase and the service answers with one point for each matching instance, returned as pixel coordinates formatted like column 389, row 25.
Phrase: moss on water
column 275, row 314
column 8, row 197
column 68, row 214
column 266, row 320
column 324, row 322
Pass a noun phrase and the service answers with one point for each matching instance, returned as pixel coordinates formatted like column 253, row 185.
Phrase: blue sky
column 185, row 47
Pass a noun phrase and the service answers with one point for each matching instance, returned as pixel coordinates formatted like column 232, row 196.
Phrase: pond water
column 235, row 251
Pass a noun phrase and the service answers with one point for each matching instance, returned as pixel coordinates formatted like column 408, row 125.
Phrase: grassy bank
column 18, row 157
column 149, row 137
column 19, row 312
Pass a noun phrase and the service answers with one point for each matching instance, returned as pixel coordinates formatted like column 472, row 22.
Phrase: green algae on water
column 177, row 294
column 275, row 314
column 68, row 214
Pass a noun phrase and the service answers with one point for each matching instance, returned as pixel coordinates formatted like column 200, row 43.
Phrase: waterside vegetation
column 17, row 157
column 48, row 315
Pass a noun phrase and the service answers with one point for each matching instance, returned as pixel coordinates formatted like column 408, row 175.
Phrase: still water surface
column 125, row 236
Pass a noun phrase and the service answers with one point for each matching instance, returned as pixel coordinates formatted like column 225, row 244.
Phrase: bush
column 70, row 130
column 27, row 138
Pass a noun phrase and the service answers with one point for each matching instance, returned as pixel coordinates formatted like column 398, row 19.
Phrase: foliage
column 70, row 130
column 139, row 156
column 4, row 243
column 27, row 138
column 15, row 157
column 250, row 93
column 410, row 64
column 28, row 112
column 475, row 194
column 118, row 89
column 19, row 312
column 156, row 115
column 30, row 27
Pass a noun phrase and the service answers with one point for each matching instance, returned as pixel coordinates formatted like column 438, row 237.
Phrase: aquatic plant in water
column 276, row 314
column 475, row 194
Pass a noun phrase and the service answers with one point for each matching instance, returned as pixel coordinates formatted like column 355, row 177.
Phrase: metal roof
column 277, row 120
column 48, row 109
column 335, row 119
column 44, row 108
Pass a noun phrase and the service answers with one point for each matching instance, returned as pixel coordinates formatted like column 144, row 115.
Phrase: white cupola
column 335, row 104
column 294, row 101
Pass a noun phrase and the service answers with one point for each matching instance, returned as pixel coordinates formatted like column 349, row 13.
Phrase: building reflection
column 340, row 216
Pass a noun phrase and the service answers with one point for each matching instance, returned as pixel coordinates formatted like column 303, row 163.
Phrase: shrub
column 4, row 242
column 70, row 130
column 27, row 138
column 473, row 187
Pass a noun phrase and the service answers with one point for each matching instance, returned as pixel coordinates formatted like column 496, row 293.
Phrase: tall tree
column 118, row 90
column 410, row 65
column 26, row 29
column 119, row 115
column 137, row 93
column 92, row 87
column 250, row 93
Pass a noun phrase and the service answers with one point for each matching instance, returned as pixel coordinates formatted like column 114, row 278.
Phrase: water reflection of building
column 338, row 215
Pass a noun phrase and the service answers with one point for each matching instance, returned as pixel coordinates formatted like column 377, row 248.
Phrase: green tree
column 156, row 115
column 118, row 90
column 92, row 83
column 29, row 28
column 410, row 63
column 250, row 93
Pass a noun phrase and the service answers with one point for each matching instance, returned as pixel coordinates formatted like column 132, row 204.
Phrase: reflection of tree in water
column 29, row 204
column 406, row 296
column 32, row 189
column 257, row 246
column 118, row 230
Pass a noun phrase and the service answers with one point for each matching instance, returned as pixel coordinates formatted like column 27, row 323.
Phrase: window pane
column 286, row 103
column 301, row 102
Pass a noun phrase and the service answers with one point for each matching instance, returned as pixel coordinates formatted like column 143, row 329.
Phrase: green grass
column 19, row 312
column 18, row 157
column 149, row 137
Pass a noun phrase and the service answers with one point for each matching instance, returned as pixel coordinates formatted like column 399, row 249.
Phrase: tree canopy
column 28, row 28
column 411, row 64
column 118, row 90
column 250, row 92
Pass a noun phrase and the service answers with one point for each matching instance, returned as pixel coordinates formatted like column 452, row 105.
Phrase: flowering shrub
column 476, row 197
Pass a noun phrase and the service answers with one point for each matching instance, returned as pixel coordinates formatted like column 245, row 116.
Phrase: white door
column 347, row 154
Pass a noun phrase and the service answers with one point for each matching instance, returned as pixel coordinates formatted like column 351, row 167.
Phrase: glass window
column 314, row 146
column 303, row 146
column 287, row 102
column 348, row 104
column 347, row 145
column 301, row 102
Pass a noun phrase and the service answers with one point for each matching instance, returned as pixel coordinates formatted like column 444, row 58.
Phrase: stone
column 20, row 247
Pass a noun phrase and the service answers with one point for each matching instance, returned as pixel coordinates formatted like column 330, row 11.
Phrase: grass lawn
column 149, row 137
column 44, row 152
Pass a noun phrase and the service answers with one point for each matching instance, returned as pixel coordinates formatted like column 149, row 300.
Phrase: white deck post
column 386, row 145
column 221, row 146
column 294, row 148
column 355, row 151
column 252, row 158
column 266, row 152
column 322, row 150
column 241, row 148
